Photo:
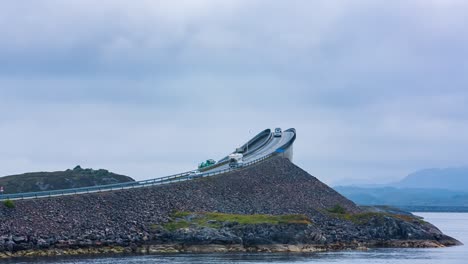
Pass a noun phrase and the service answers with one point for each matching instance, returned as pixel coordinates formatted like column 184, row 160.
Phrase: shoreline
column 154, row 249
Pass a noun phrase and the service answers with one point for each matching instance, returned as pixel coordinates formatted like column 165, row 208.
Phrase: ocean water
column 453, row 224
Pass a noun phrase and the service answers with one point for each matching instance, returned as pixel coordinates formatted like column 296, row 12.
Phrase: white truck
column 194, row 174
column 236, row 160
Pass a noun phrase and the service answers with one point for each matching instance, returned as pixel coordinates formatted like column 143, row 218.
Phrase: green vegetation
column 9, row 203
column 337, row 209
column 179, row 214
column 174, row 225
column 215, row 220
column 258, row 218
column 366, row 217
column 409, row 218
column 362, row 218
column 45, row 181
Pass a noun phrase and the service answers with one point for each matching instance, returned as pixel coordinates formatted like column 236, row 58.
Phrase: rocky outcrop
column 135, row 219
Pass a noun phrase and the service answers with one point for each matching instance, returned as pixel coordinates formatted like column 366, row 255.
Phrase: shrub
column 9, row 203
column 337, row 209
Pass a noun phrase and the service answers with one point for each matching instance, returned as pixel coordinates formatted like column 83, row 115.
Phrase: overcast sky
column 375, row 89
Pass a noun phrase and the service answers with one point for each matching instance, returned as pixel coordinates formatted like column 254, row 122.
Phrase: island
column 272, row 206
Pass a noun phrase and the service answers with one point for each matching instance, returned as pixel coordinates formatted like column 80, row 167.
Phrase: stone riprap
column 133, row 220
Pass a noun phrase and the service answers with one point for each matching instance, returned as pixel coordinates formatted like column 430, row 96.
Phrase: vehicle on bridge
column 277, row 132
column 194, row 174
column 207, row 163
column 236, row 160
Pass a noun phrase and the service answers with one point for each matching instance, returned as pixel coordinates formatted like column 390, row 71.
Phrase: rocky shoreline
column 217, row 248
column 271, row 207
column 206, row 233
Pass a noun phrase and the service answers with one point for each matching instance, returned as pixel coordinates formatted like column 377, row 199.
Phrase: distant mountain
column 450, row 178
column 427, row 188
column 45, row 181
column 403, row 196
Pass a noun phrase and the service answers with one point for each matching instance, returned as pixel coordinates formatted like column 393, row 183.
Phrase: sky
column 375, row 89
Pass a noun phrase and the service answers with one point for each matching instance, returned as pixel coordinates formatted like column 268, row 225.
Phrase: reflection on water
column 453, row 224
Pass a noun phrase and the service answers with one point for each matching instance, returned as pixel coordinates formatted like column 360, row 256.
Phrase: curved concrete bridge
column 260, row 148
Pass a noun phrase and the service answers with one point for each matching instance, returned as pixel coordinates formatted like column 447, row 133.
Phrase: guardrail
column 127, row 185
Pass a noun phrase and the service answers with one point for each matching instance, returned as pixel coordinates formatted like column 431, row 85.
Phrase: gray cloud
column 376, row 89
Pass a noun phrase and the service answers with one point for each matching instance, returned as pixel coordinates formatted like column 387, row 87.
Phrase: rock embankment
column 139, row 220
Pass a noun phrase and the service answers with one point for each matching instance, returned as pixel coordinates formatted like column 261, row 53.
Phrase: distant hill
column 45, row 181
column 403, row 196
column 425, row 188
column 449, row 178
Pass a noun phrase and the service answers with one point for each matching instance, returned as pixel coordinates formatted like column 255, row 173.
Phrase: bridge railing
column 128, row 185
column 115, row 186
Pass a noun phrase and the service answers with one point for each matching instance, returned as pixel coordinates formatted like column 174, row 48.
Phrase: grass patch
column 258, row 218
column 337, row 209
column 364, row 218
column 409, row 218
column 179, row 214
column 9, row 203
column 215, row 220
column 174, row 225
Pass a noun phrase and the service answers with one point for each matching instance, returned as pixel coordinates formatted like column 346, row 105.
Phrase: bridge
column 258, row 149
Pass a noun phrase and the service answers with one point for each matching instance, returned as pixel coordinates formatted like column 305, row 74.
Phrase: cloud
column 376, row 89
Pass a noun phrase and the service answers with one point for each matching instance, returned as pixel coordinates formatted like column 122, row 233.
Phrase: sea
column 453, row 224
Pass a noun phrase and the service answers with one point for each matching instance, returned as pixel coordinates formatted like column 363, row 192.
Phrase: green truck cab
column 207, row 163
